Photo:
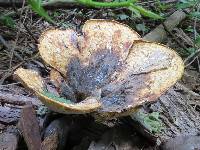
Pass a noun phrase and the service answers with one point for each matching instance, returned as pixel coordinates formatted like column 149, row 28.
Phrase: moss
column 57, row 98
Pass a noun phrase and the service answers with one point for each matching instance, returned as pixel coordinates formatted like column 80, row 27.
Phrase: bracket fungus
column 107, row 70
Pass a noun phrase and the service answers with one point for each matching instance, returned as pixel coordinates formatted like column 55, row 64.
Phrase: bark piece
column 8, row 141
column 50, row 142
column 30, row 128
column 9, row 115
column 15, row 99
column 159, row 34
column 178, row 117
column 182, row 143
column 2, row 126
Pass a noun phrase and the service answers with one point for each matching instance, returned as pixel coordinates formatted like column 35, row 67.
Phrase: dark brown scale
column 85, row 80
column 119, row 95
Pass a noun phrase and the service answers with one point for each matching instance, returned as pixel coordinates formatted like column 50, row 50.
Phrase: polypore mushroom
column 107, row 70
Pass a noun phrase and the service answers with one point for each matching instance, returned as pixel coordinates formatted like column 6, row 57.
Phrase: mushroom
column 107, row 70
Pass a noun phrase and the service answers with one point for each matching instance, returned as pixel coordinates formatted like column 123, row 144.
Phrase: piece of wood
column 15, row 99
column 50, row 142
column 182, row 143
column 29, row 127
column 9, row 116
column 178, row 117
column 8, row 141
column 159, row 34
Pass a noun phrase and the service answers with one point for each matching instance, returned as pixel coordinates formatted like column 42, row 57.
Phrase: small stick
column 191, row 58
column 174, row 37
column 159, row 34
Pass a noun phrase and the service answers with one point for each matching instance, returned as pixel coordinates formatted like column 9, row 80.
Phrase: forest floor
column 18, row 48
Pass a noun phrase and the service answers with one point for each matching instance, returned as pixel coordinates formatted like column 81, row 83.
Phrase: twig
column 10, row 72
column 30, row 33
column 191, row 58
column 198, row 64
column 174, row 37
column 185, row 89
column 195, row 23
column 25, row 26
column 17, row 37
column 4, row 42
column 159, row 34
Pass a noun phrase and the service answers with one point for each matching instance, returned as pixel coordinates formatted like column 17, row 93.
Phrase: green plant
column 57, row 98
column 142, row 27
column 36, row 6
column 197, row 41
column 193, row 4
column 129, row 4
column 7, row 21
column 194, row 14
column 162, row 6
column 182, row 4
column 150, row 121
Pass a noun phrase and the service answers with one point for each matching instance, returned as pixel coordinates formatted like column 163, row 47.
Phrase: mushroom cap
column 108, row 70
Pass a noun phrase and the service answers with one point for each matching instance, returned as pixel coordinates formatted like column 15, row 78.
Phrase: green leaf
column 135, row 12
column 146, row 12
column 123, row 16
column 195, row 14
column 197, row 41
column 141, row 27
column 189, row 29
column 36, row 6
column 186, row 3
column 150, row 121
column 7, row 21
column 153, row 122
column 56, row 98
column 190, row 50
